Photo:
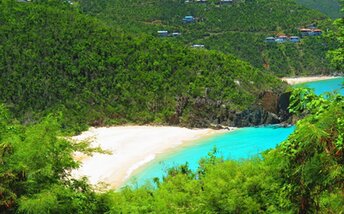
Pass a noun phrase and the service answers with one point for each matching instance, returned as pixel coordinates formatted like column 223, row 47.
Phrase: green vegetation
column 329, row 7
column 54, row 59
column 57, row 60
column 337, row 56
column 304, row 174
column 35, row 163
column 238, row 29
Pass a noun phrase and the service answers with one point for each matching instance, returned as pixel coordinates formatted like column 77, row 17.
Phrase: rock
column 283, row 103
column 269, row 101
column 200, row 112
column 255, row 117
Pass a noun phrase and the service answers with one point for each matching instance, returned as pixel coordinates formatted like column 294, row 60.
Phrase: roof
column 188, row 17
column 305, row 29
column 317, row 30
column 198, row 46
column 279, row 40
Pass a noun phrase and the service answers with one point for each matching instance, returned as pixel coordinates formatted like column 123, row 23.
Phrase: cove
column 238, row 144
column 235, row 145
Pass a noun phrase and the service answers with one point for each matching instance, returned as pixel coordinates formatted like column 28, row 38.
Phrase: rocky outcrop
column 254, row 117
column 283, row 103
column 271, row 108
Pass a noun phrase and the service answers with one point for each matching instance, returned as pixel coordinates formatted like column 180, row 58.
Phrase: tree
column 337, row 56
column 313, row 155
column 36, row 161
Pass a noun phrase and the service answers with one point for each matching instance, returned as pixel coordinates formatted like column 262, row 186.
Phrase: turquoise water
column 325, row 86
column 239, row 144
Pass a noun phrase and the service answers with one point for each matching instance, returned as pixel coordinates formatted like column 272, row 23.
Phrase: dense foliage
column 55, row 59
column 304, row 174
column 337, row 56
column 329, row 7
column 35, row 165
column 239, row 29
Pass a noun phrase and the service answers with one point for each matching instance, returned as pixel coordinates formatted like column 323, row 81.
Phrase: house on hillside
column 294, row 39
column 281, row 39
column 306, row 32
column 163, row 33
column 201, row 1
column 198, row 46
column 176, row 34
column 226, row 1
column 24, row 1
column 189, row 19
column 310, row 32
column 317, row 32
column 270, row 39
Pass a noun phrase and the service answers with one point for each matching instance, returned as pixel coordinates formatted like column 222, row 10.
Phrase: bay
column 240, row 144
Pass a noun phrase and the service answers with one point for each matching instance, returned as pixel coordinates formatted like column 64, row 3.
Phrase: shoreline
column 299, row 80
column 133, row 148
column 162, row 156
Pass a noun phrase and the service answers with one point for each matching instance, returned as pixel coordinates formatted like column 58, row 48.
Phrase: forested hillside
column 55, row 59
column 329, row 7
column 239, row 28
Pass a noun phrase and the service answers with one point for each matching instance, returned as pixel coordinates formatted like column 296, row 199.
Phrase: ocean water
column 239, row 144
column 323, row 86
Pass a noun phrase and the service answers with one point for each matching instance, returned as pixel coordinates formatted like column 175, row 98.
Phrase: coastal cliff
column 271, row 108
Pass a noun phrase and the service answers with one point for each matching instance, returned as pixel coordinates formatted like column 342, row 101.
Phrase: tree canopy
column 239, row 28
column 329, row 7
column 56, row 59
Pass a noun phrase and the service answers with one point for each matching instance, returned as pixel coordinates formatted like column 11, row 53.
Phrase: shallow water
column 323, row 86
column 239, row 144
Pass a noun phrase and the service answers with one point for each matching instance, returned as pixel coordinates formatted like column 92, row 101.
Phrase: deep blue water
column 239, row 144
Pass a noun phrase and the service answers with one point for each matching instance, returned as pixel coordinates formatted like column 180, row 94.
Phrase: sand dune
column 132, row 147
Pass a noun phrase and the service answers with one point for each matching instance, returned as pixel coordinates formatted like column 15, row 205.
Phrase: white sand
column 132, row 147
column 298, row 80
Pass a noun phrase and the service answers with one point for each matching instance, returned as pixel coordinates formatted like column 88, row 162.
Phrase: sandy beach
column 132, row 147
column 298, row 80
